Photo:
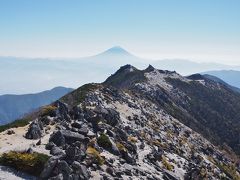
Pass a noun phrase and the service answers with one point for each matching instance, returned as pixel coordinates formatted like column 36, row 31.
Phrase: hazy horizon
column 149, row 60
column 200, row 31
column 36, row 75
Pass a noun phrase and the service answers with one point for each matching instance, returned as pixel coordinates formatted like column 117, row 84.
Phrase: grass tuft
column 132, row 139
column 121, row 147
column 31, row 163
column 92, row 152
column 166, row 164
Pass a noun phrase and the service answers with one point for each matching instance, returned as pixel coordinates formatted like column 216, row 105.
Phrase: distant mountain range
column 15, row 106
column 218, row 80
column 186, row 67
column 33, row 75
column 229, row 76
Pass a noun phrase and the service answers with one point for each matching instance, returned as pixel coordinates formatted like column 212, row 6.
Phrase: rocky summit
column 141, row 124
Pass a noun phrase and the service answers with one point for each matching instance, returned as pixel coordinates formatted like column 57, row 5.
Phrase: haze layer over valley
column 25, row 75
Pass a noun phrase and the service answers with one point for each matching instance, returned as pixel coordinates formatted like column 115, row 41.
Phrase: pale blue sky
column 201, row 30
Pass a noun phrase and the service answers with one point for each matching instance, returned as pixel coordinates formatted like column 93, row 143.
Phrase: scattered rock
column 35, row 130
column 49, row 145
column 57, row 138
column 71, row 137
column 114, row 148
column 58, row 177
column 120, row 134
column 30, row 150
column 84, row 172
column 10, row 132
column 56, row 151
column 49, row 167
column 64, row 168
column 77, row 124
column 83, row 130
column 110, row 171
column 39, row 142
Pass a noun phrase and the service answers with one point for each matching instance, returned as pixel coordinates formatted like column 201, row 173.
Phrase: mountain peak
column 149, row 68
column 125, row 77
column 116, row 50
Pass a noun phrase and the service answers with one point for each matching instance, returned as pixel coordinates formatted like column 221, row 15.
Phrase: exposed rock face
column 49, row 167
column 56, row 151
column 71, row 136
column 35, row 130
column 63, row 137
column 110, row 115
column 62, row 111
column 130, row 130
column 57, row 138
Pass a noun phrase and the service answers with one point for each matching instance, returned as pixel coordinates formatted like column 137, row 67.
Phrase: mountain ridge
column 229, row 76
column 15, row 106
column 175, row 80
column 138, row 124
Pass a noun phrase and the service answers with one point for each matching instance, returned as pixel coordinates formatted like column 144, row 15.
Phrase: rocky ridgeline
column 125, row 133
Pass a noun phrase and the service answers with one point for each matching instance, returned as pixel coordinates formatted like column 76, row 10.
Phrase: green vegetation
column 132, row 139
column 77, row 96
column 15, row 124
column 104, row 141
column 166, row 164
column 48, row 111
column 156, row 142
column 203, row 173
column 31, row 163
column 121, row 147
column 92, row 152
column 229, row 170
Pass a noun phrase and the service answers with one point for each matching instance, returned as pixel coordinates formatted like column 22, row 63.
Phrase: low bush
column 104, row 141
column 157, row 143
column 229, row 170
column 121, row 147
column 92, row 152
column 48, row 111
column 166, row 164
column 203, row 173
column 132, row 139
column 31, row 163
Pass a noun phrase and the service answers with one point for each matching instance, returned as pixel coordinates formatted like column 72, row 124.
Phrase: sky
column 203, row 30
